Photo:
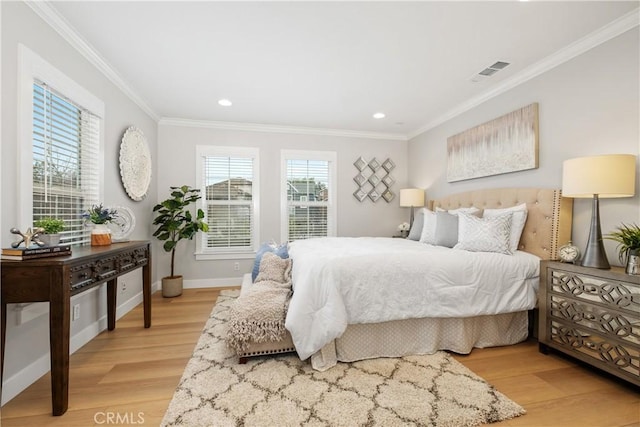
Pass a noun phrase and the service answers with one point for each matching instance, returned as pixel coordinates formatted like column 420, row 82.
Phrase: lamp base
column 595, row 255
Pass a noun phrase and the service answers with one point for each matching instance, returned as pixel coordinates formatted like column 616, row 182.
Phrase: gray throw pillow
column 416, row 228
column 446, row 229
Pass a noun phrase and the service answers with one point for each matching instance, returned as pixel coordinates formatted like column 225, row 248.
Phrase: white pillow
column 484, row 234
column 428, row 234
column 471, row 210
column 517, row 224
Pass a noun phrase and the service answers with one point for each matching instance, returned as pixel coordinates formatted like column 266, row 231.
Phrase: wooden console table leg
column 59, row 323
column 111, row 304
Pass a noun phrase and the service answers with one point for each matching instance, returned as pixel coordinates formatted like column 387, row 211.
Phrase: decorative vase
column 171, row 286
column 50, row 239
column 100, row 235
column 633, row 262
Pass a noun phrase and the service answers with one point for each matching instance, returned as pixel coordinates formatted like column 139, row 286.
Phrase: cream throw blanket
column 259, row 314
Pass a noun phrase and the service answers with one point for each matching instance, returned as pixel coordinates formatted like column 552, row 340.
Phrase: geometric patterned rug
column 424, row 390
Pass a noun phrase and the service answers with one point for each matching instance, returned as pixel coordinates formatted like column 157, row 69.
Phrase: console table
column 56, row 280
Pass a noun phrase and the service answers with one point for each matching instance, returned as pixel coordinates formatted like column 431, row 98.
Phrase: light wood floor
column 132, row 372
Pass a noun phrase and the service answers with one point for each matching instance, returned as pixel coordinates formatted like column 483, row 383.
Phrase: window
column 308, row 194
column 230, row 192
column 61, row 143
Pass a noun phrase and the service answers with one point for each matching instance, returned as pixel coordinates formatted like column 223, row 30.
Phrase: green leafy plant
column 174, row 220
column 628, row 239
column 50, row 225
column 98, row 214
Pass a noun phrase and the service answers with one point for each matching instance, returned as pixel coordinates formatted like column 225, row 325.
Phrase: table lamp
column 411, row 197
column 605, row 176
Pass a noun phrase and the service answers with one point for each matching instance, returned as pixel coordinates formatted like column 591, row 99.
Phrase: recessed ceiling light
column 225, row 102
column 379, row 116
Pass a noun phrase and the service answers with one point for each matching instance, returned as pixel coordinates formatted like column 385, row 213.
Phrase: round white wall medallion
column 135, row 163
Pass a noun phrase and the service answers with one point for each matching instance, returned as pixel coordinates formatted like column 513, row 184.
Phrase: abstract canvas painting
column 506, row 144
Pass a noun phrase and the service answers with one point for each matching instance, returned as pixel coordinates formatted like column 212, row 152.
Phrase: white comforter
column 341, row 281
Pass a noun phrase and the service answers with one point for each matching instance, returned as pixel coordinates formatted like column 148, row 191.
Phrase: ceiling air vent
column 489, row 71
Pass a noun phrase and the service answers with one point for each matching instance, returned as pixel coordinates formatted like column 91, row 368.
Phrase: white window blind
column 66, row 146
column 309, row 194
column 229, row 202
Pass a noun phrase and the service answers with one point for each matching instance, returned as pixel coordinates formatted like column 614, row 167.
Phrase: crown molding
column 62, row 27
column 257, row 127
column 596, row 38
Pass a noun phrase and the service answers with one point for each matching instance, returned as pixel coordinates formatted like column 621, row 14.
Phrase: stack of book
column 21, row 254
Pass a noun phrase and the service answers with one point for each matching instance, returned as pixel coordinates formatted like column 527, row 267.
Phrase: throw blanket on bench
column 259, row 314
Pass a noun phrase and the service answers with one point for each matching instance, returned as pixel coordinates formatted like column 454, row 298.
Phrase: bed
column 344, row 287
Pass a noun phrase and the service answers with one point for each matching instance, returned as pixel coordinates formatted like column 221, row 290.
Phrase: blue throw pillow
column 281, row 251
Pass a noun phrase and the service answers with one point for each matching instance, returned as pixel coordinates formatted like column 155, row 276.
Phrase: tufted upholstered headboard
column 549, row 215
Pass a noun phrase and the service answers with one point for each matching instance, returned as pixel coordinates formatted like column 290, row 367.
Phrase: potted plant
column 628, row 239
column 52, row 228
column 175, row 223
column 100, row 216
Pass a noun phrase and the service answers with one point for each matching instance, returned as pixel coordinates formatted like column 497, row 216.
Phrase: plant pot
column 171, row 286
column 100, row 235
column 633, row 261
column 50, row 239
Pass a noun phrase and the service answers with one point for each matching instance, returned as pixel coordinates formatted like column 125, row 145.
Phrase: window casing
column 60, row 152
column 228, row 180
column 308, row 194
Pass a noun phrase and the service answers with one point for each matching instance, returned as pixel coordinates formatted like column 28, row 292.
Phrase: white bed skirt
column 422, row 336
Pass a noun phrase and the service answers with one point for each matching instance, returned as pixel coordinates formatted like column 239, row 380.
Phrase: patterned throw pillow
column 484, row 234
column 282, row 251
column 274, row 269
column 517, row 225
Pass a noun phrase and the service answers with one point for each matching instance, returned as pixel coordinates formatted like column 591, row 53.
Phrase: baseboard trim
column 212, row 283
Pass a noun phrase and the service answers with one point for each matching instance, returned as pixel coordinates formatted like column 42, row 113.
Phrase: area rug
column 425, row 390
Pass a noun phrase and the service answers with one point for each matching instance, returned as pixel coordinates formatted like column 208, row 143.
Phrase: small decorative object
column 175, row 223
column 569, row 253
column 404, row 229
column 122, row 225
column 374, row 164
column 100, row 216
column 360, row 179
column 374, row 180
column 27, row 237
column 388, row 181
column 52, row 228
column 628, row 239
column 360, row 194
column 388, row 165
column 388, row 195
column 374, row 195
column 360, row 164
column 135, row 163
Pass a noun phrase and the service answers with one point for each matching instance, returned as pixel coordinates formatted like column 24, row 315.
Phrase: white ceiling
column 328, row 65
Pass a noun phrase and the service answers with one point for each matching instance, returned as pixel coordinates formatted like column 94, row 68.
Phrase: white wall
column 26, row 356
column 588, row 106
column 176, row 161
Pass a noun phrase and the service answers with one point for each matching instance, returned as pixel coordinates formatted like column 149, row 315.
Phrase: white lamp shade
column 411, row 197
column 608, row 176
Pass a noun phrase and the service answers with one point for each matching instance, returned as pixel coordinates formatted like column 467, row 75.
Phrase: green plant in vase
column 628, row 239
column 52, row 228
column 175, row 223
